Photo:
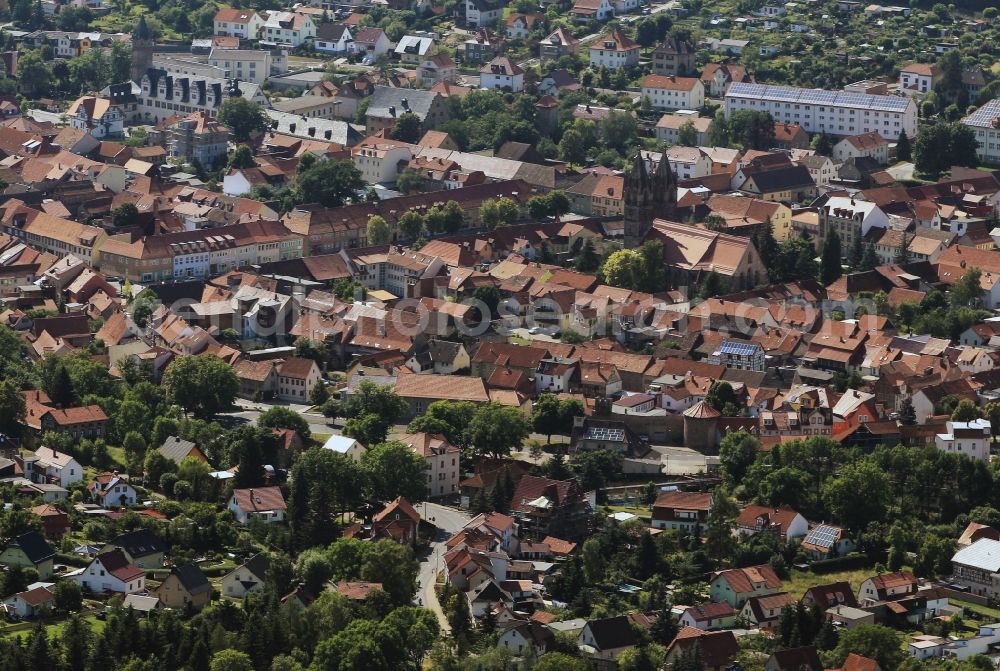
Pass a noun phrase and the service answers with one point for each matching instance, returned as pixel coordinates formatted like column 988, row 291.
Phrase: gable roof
column 448, row 387
column 176, row 449
column 716, row 648
column 398, row 505
column 259, row 499
column 116, row 563
column 742, row 580
column 191, row 578
column 797, row 659
column 140, row 543
column 983, row 554
column 34, row 546
column 612, row 632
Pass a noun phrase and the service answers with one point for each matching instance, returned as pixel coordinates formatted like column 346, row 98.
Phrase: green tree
column 556, row 661
column 330, row 183
column 587, row 261
column 822, row 144
column 752, row 129
column 454, row 217
column 942, row 145
column 495, row 213
column 572, row 147
column 156, row 465
column 33, row 74
column 687, row 136
column 284, row 418
column 201, row 385
column 874, row 641
column 306, row 348
column 830, row 265
column 967, row 291
column 392, row 470
column 622, row 268
column 409, row 181
column 721, row 395
column 125, row 215
column 965, row 411
column 594, row 562
column 902, row 253
column 68, row 596
column 718, row 130
column 907, row 413
column 869, row 259
column 737, row 453
column 840, row 495
column 411, row 224
column 618, row 130
column 448, row 418
column 12, row 408
column 903, row 150
column 242, row 157
column 495, row 429
column 553, row 415
column 408, row 128
column 378, row 231
column 231, row 660
column 243, row 117
column 322, row 484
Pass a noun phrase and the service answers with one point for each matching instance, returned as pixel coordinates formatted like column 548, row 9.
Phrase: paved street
column 251, row 411
column 448, row 520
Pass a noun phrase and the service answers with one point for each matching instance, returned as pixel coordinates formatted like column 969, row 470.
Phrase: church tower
column 647, row 197
column 142, row 50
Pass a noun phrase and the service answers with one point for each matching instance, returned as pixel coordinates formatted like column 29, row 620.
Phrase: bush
column 847, row 562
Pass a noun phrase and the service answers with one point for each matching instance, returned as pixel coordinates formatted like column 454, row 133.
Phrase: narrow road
column 449, row 521
column 250, row 411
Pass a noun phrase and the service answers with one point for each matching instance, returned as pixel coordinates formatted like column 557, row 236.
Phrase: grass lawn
column 319, row 438
column 990, row 613
column 53, row 627
column 800, row 581
column 640, row 511
column 118, row 454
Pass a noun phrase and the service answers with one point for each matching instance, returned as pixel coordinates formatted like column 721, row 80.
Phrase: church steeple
column 647, row 195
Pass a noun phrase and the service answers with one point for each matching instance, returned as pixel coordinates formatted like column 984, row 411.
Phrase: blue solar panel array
column 984, row 116
column 822, row 536
column 791, row 94
column 738, row 348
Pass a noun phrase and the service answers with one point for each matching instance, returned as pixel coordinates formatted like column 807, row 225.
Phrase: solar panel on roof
column 822, row 536
column 984, row 116
column 605, row 433
column 738, row 348
column 835, row 98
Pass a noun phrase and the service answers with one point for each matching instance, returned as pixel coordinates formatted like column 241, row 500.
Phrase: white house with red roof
column 442, row 459
column 111, row 572
column 669, row 92
column 263, row 503
column 111, row 490
column 233, row 22
column 296, row 379
column 614, row 50
column 502, row 74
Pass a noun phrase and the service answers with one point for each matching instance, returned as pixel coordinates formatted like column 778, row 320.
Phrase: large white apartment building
column 836, row 112
column 985, row 123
